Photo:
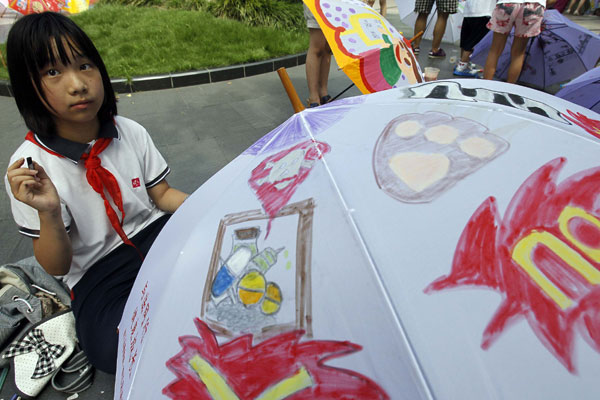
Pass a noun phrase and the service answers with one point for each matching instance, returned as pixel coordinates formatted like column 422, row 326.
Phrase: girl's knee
column 101, row 351
column 99, row 341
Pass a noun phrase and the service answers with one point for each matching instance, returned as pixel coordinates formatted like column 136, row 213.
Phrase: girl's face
column 74, row 93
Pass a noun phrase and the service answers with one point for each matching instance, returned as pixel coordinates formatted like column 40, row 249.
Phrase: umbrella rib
column 386, row 293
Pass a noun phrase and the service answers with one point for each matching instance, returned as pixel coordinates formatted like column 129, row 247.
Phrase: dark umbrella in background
column 563, row 51
column 584, row 90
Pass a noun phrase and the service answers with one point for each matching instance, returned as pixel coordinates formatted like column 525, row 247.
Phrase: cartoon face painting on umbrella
column 373, row 54
column 318, row 263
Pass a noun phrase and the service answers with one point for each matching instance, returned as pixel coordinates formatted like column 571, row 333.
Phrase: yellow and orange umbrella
column 76, row 6
column 34, row 6
column 367, row 47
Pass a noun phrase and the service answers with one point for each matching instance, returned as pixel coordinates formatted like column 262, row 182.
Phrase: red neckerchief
column 101, row 180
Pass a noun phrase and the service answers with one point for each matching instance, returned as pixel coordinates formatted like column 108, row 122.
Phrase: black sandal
column 325, row 99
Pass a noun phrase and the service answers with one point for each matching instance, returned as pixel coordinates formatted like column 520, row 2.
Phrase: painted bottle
column 264, row 260
column 246, row 237
column 230, row 269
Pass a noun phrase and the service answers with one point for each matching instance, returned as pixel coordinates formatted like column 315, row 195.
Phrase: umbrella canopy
column 75, row 6
column 365, row 45
column 34, row 6
column 562, row 51
column 317, row 264
column 584, row 90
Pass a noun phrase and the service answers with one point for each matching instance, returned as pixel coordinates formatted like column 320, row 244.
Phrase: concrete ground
column 199, row 129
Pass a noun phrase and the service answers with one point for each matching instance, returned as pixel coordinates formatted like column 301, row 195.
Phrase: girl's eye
column 52, row 72
column 86, row 66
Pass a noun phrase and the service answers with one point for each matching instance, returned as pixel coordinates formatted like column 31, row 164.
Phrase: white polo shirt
column 542, row 2
column 479, row 8
column 134, row 161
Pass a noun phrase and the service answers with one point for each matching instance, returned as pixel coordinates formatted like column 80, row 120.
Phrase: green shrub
column 281, row 14
column 190, row 5
column 135, row 3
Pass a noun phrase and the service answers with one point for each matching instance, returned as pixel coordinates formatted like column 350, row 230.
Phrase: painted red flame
column 484, row 257
column 275, row 195
column 250, row 370
column 590, row 125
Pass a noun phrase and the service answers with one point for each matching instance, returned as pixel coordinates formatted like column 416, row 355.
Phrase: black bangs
column 55, row 51
column 39, row 40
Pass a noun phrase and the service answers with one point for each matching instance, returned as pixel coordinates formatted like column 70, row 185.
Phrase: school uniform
column 103, row 268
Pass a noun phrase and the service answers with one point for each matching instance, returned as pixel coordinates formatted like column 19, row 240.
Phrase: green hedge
column 282, row 14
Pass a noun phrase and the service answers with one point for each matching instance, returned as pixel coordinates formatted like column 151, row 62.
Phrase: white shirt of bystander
column 542, row 2
column 479, row 8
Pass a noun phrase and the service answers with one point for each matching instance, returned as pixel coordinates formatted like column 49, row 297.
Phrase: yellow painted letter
column 569, row 213
column 522, row 253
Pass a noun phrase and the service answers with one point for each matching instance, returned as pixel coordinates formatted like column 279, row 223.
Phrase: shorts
column 526, row 18
column 445, row 6
column 473, row 30
column 311, row 21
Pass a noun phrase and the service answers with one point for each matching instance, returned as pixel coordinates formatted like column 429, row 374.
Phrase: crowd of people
column 500, row 17
column 480, row 17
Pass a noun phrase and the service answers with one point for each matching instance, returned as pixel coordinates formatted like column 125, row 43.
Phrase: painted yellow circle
column 272, row 300
column 251, row 288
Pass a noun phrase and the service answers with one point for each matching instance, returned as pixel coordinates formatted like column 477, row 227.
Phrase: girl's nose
column 77, row 84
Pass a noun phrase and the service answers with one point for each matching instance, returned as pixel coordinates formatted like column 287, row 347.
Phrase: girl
column 94, row 197
column 526, row 16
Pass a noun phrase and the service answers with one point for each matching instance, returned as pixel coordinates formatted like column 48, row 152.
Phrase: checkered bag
column 41, row 350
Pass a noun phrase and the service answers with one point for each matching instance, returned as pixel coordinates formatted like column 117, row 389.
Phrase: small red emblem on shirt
column 135, row 182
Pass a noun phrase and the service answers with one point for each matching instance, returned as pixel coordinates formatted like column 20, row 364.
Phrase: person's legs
column 423, row 9
column 438, row 30
column 498, row 43
column 528, row 23
column 383, row 7
column 465, row 55
column 324, row 74
column 420, row 26
column 579, row 10
column 318, row 52
column 100, row 296
column 517, row 56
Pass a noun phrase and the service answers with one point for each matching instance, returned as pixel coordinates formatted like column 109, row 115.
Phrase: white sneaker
column 475, row 67
column 463, row 69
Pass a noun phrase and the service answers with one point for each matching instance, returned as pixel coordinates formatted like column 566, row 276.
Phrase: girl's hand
column 33, row 187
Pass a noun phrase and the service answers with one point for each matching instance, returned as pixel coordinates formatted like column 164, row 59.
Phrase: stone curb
column 170, row 81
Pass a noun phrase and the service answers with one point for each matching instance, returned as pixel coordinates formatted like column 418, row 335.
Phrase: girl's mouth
column 82, row 105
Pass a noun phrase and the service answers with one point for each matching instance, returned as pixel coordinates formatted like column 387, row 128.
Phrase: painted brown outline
column 305, row 210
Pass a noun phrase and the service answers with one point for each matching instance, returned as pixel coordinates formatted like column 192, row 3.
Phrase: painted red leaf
column 251, row 370
column 543, row 257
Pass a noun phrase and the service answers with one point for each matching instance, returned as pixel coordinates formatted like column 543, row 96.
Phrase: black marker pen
column 29, row 163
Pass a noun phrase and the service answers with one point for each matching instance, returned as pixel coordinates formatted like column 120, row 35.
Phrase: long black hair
column 37, row 40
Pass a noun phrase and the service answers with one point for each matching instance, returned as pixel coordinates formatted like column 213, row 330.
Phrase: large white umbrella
column 317, row 263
